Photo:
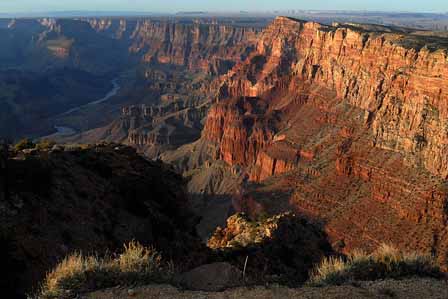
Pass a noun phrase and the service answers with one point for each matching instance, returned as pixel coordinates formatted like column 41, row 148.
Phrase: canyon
column 308, row 117
column 336, row 134
column 318, row 121
column 142, row 53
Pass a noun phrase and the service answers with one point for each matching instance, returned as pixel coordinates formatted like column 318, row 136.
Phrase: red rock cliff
column 359, row 121
column 400, row 86
column 240, row 128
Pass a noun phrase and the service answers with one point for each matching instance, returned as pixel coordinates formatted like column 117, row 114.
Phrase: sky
column 25, row 6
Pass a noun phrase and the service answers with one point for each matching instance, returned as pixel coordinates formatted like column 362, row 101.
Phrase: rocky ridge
column 94, row 199
column 350, row 123
column 282, row 248
column 211, row 48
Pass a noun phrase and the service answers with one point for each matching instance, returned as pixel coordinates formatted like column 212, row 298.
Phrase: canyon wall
column 352, row 121
column 180, row 61
column 162, row 128
column 212, row 48
column 104, row 45
column 402, row 90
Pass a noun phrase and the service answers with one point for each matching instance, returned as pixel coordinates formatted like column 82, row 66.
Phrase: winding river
column 67, row 131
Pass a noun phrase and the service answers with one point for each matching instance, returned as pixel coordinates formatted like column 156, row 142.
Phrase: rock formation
column 166, row 55
column 349, row 124
column 211, row 48
column 90, row 200
column 284, row 245
column 241, row 129
column 345, row 123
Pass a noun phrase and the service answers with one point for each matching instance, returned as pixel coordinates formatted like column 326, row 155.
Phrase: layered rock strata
column 212, row 48
column 352, row 121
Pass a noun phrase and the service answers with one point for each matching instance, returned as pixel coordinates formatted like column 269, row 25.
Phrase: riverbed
column 67, row 131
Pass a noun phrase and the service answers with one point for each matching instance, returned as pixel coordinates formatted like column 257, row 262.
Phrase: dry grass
column 138, row 258
column 330, row 269
column 76, row 274
column 386, row 262
column 45, row 144
column 71, row 274
column 24, row 144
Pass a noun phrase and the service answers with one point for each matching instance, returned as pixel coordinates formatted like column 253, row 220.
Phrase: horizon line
column 242, row 11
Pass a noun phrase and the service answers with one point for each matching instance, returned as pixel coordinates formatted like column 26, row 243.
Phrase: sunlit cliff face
column 352, row 118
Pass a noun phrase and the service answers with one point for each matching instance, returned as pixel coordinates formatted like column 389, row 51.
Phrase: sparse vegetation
column 77, row 273
column 24, row 144
column 42, row 145
column 386, row 262
column 45, row 144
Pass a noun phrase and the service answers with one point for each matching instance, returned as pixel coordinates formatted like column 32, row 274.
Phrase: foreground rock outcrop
column 283, row 248
column 91, row 200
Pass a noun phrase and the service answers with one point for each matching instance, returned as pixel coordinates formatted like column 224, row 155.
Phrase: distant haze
column 172, row 6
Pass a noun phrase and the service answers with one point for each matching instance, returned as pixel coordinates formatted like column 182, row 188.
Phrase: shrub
column 386, row 262
column 24, row 144
column 45, row 144
column 138, row 263
column 77, row 274
column 70, row 275
column 331, row 270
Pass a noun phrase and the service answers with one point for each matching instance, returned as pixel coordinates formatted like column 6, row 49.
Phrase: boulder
column 212, row 277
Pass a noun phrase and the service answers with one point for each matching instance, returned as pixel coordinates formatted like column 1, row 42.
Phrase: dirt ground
column 405, row 289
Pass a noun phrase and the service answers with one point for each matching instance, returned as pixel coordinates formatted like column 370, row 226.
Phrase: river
column 67, row 131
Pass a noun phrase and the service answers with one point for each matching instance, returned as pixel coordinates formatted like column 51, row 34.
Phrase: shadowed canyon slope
column 179, row 65
column 341, row 123
column 92, row 200
column 101, row 45
column 144, row 53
